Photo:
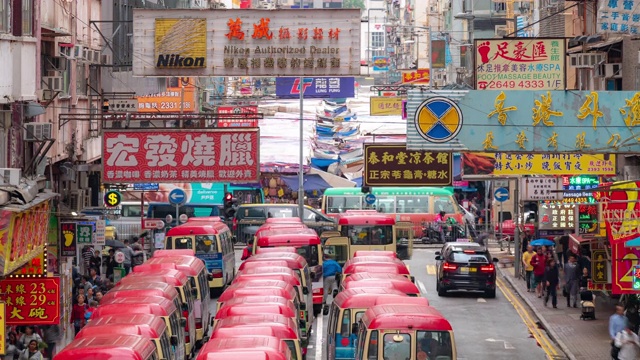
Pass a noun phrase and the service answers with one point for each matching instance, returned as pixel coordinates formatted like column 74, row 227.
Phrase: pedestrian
column 440, row 222
column 87, row 253
column 111, row 264
column 552, row 280
column 51, row 336
column 137, row 248
column 96, row 262
column 77, row 314
column 13, row 346
column 94, row 278
column 538, row 261
column 572, row 275
column 32, row 352
column 128, row 256
column 248, row 250
column 528, row 268
column 628, row 344
column 617, row 323
column 330, row 270
column 98, row 296
column 561, row 249
column 29, row 334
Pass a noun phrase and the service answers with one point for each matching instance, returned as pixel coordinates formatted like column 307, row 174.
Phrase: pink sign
column 624, row 261
column 460, row 183
column 185, row 155
column 236, row 118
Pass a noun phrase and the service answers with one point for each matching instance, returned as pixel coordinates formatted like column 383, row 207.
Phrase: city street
column 491, row 329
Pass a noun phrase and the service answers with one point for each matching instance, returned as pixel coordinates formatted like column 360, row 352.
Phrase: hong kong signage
column 31, row 301
column 620, row 210
column 394, row 165
column 524, row 121
column 170, row 156
column 507, row 164
column 184, row 42
column 521, row 64
column 319, row 87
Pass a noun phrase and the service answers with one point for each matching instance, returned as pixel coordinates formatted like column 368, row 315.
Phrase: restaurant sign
column 418, row 76
column 31, row 301
column 507, row 164
column 393, row 165
column 524, row 121
column 175, row 98
column 620, row 210
column 624, row 262
column 170, row 156
column 556, row 216
column 291, row 42
column 599, row 267
column 520, row 64
column 385, row 106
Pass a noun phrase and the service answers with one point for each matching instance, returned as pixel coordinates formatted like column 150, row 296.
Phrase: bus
column 417, row 205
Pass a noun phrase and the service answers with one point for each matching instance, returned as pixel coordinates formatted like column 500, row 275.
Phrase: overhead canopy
column 311, row 182
column 332, row 180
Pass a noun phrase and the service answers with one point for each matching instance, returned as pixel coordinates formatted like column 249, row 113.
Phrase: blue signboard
column 177, row 197
column 524, row 121
column 381, row 63
column 501, row 194
column 319, row 87
column 146, row 187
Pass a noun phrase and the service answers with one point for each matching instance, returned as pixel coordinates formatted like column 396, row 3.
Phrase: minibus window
column 373, row 345
column 153, row 356
column 345, row 329
column 292, row 346
column 333, row 317
column 204, row 286
column 165, row 345
column 205, row 244
column 310, row 253
column 175, row 324
column 183, row 243
column 435, row 344
column 168, row 243
column 397, row 346
column 359, row 316
column 368, row 234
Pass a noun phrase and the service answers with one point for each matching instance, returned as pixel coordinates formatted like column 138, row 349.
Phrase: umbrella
column 114, row 243
column 542, row 242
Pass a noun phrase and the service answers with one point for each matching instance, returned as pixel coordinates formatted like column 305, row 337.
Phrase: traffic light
column 229, row 202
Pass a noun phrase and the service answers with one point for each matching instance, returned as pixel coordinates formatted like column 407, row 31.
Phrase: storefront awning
column 595, row 45
column 312, row 182
column 39, row 199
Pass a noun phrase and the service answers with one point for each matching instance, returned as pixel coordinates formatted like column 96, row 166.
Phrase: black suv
column 465, row 266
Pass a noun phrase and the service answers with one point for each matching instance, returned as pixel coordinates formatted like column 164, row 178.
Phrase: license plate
column 473, row 269
column 464, row 270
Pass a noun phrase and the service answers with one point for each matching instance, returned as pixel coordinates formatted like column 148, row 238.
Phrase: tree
column 353, row 4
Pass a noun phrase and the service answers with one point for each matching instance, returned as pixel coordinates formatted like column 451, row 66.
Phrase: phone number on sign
column 532, row 84
column 174, row 105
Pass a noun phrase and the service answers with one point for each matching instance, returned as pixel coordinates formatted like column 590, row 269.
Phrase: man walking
column 538, row 261
column 330, row 270
column 572, row 275
column 617, row 323
column 128, row 256
column 552, row 279
column 528, row 268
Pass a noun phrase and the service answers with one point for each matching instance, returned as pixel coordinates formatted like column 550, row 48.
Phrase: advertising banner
column 385, row 106
column 555, row 216
column 624, row 260
column 507, row 164
column 420, row 76
column 204, row 155
column 620, row 210
column 53, row 247
column 236, row 118
column 169, row 100
column 520, row 64
column 618, row 17
column 438, row 54
column 320, row 87
column 393, row 165
column 540, row 188
column 197, row 193
column 381, row 63
column 84, row 233
column 68, row 237
column 524, row 121
column 26, row 236
column 284, row 42
column 31, row 301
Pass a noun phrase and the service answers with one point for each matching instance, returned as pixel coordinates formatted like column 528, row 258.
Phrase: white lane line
column 319, row 338
column 481, row 300
column 422, row 288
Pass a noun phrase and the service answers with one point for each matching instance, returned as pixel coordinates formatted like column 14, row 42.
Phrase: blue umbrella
column 542, row 242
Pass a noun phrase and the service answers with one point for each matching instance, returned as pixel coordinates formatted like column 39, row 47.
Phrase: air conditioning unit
column 37, row 131
column 53, row 83
column 55, row 63
column 106, row 59
column 78, row 50
column 438, row 83
column 609, row 71
column 10, row 176
column 501, row 30
column 77, row 200
column 97, row 57
column 587, row 60
column 45, row 95
column 65, row 49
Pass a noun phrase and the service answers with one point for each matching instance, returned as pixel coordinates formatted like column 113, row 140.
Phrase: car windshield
column 461, row 257
column 310, row 253
column 368, row 234
column 434, row 345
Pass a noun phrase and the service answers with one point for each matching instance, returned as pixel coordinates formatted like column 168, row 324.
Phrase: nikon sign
column 184, row 42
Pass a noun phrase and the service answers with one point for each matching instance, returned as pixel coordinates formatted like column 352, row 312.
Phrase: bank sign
column 581, row 122
column 184, row 42
column 319, row 87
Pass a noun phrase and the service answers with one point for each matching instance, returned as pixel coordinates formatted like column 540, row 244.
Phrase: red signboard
column 624, row 262
column 186, row 155
column 620, row 210
column 236, row 120
column 32, row 301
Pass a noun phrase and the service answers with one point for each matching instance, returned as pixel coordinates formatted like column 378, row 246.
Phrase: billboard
column 520, row 64
column 319, row 87
column 419, row 76
column 381, row 63
column 186, row 155
column 620, row 210
column 624, row 262
column 618, row 17
column 507, row 164
column 32, row 301
column 169, row 100
column 235, row 120
column 594, row 122
column 248, row 42
column 438, row 54
column 393, row 165
column 69, row 237
column 385, row 106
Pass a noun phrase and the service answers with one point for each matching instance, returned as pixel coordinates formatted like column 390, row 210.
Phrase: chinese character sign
column 3, row 327
column 556, row 216
column 394, row 165
column 599, row 267
column 419, row 76
column 521, row 64
column 169, row 156
column 318, row 87
column 174, row 99
column 68, row 239
column 84, row 234
column 618, row 16
column 247, row 42
column 620, row 210
column 541, row 188
column 385, row 106
column 27, row 235
column 31, row 301
column 507, row 164
column 623, row 268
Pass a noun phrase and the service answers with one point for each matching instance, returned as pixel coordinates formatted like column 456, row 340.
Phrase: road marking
column 537, row 333
column 319, row 331
column 431, row 269
column 507, row 346
column 422, row 288
column 481, row 300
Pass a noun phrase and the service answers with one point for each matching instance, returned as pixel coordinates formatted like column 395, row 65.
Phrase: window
column 310, row 253
column 377, row 39
column 340, row 204
column 205, row 244
column 433, row 344
column 397, row 346
column 444, row 203
column 182, row 243
column 292, row 347
column 4, row 16
column 27, row 17
column 373, row 345
column 385, row 204
column 165, row 344
column 368, row 235
column 131, row 211
column 345, row 327
column 460, row 257
column 412, row 204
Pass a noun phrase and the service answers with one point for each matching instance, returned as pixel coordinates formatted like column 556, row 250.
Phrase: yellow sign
column 3, row 327
column 385, row 106
column 438, row 119
column 181, row 43
column 419, row 76
column 504, row 164
column 174, row 99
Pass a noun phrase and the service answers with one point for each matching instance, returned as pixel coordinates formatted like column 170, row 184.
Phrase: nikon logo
column 177, row 61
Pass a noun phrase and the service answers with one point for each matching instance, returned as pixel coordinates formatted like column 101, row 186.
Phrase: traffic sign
column 183, row 218
column 119, row 257
column 150, row 224
column 146, row 187
column 501, row 194
column 177, row 197
column 370, row 199
column 112, row 198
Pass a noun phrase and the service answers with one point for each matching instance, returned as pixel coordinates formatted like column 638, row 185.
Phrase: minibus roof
column 276, row 250
column 250, row 288
column 375, row 253
column 130, row 347
column 406, row 287
column 296, row 240
column 376, row 267
column 153, row 305
column 190, row 265
column 248, row 309
column 148, row 271
column 401, row 317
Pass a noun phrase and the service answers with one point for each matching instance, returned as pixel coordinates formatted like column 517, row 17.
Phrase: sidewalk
column 579, row 339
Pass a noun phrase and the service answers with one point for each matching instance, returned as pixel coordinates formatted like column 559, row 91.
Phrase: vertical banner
column 53, row 247
column 3, row 327
column 68, row 238
column 84, row 233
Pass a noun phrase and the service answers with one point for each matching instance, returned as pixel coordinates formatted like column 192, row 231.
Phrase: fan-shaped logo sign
column 438, row 119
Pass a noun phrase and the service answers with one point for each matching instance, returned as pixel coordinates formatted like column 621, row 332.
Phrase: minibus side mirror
column 174, row 340
column 318, row 218
column 413, row 279
column 439, row 257
column 354, row 328
column 305, row 290
column 437, row 253
column 335, row 293
column 194, row 292
column 495, row 260
column 193, row 282
column 185, row 307
column 183, row 322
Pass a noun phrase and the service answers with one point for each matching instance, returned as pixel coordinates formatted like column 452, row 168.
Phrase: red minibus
column 278, row 250
column 360, row 253
column 129, row 347
column 264, row 287
column 245, row 348
column 290, row 336
column 158, row 337
column 404, row 286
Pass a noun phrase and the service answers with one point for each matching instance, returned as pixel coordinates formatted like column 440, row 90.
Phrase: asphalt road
column 491, row 329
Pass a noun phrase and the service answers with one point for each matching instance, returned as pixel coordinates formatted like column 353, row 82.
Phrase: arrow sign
column 501, row 194
column 177, row 197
